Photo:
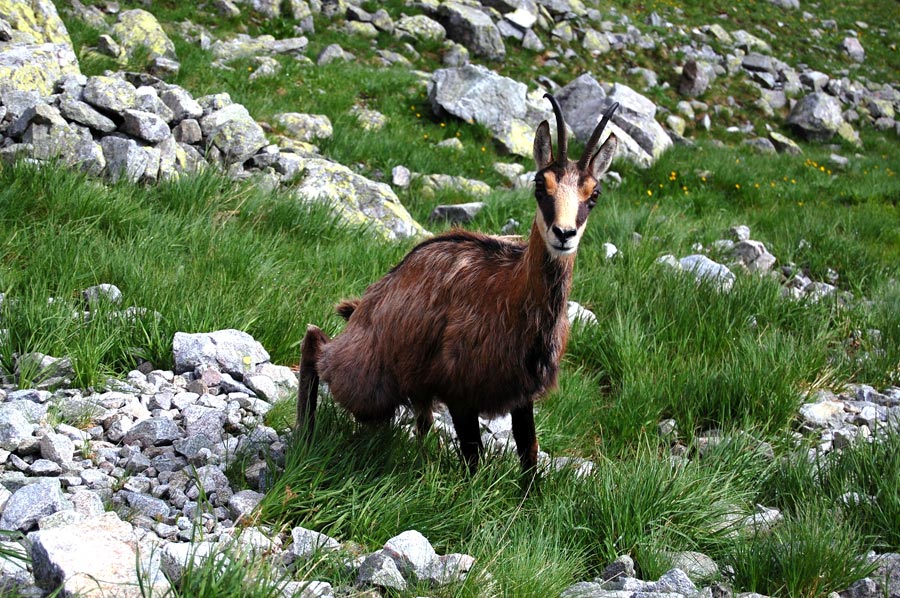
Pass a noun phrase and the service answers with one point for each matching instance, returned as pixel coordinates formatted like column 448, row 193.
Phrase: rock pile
column 741, row 252
column 137, row 127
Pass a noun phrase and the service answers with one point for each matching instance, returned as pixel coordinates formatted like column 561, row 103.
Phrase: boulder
column 477, row 94
column 817, row 116
column 30, row 503
column 472, row 28
column 641, row 138
column 231, row 351
column 418, row 28
column 356, row 199
column 138, row 30
column 67, row 557
column 695, row 78
column 39, row 51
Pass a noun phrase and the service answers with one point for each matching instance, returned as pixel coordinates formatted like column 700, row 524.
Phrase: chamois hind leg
column 308, row 394
column 424, row 420
column 525, row 436
column 469, row 436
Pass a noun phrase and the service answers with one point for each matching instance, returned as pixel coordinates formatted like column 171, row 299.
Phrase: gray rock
column 676, row 581
column 124, row 158
column 181, row 104
column 155, row 431
column 473, row 29
column 412, row 552
column 233, row 132
column 210, row 479
column 177, row 556
column 205, row 422
column 40, row 114
column 57, row 448
column 30, row 503
column 577, row 312
column 620, row 568
column 641, row 138
column 305, row 127
column 823, row 414
column 109, row 93
column 243, row 503
column 706, row 269
column 695, row 78
column 852, row 47
column 232, row 351
column 145, row 125
column 449, row 569
column 333, row 53
column 307, row 542
column 761, row 145
column 14, row 427
column 143, row 504
column 44, row 467
column 476, row 94
column 82, row 113
column 67, row 557
column 100, row 294
column 356, row 199
column 816, row 117
column 419, row 28
column 587, row 589
column 381, row 571
column 754, row 255
column 784, row 145
column 272, row 382
column 457, row 213
column 814, row 80
column 138, row 31
column 188, row 131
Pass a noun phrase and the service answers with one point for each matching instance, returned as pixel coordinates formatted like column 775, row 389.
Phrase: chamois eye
column 592, row 200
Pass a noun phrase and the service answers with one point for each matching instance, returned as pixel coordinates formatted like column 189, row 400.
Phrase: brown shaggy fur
column 473, row 321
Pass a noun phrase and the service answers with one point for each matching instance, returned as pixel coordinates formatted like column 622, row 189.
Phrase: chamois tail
column 346, row 308
column 308, row 394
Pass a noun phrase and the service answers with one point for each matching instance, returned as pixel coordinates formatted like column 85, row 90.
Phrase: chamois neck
column 549, row 278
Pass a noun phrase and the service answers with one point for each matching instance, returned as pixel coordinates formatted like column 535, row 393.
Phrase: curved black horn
column 561, row 141
column 595, row 137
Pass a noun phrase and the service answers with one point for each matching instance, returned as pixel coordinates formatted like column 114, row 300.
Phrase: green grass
column 205, row 253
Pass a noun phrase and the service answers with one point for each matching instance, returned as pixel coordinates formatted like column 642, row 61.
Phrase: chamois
column 476, row 322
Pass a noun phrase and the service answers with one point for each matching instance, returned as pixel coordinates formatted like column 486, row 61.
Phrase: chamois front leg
column 308, row 393
column 424, row 421
column 469, row 436
column 525, row 436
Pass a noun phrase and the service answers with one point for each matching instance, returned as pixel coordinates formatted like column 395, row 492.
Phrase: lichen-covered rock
column 138, row 30
column 233, row 132
column 82, row 113
column 110, row 93
column 356, row 199
column 37, row 19
column 244, row 46
column 124, row 158
column 418, row 28
column 305, row 127
column 36, row 67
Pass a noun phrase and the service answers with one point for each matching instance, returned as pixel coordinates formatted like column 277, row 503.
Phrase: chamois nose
column 564, row 234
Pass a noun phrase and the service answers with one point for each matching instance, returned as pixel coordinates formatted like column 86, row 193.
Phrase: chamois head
column 567, row 191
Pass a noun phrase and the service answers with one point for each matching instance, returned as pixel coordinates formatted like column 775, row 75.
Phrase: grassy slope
column 209, row 254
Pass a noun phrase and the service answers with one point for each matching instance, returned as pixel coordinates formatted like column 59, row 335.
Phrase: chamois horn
column 595, row 137
column 561, row 139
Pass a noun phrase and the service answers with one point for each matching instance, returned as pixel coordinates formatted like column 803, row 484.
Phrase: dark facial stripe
column 582, row 215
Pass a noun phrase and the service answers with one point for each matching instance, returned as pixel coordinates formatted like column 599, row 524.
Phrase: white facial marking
column 566, row 202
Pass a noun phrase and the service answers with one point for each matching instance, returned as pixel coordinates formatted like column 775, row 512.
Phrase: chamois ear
column 543, row 147
column 603, row 158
